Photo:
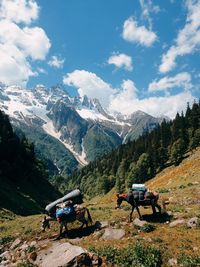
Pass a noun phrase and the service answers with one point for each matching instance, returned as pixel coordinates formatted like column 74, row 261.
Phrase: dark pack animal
column 78, row 214
column 139, row 198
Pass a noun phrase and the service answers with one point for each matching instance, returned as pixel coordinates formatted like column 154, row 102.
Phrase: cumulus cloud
column 127, row 102
column 125, row 99
column 137, row 34
column 89, row 84
column 121, row 61
column 56, row 62
column 188, row 39
column 19, row 11
column 20, row 45
column 181, row 80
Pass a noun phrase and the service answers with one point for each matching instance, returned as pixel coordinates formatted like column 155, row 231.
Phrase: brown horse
column 79, row 215
column 134, row 199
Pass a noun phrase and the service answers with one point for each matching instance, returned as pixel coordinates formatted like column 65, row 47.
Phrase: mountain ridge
column 69, row 119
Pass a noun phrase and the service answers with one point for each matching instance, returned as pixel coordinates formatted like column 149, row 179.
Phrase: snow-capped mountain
column 78, row 123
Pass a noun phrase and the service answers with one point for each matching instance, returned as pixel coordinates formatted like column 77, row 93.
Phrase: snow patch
column 49, row 128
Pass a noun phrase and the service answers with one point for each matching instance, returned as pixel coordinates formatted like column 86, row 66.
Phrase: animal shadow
column 157, row 218
column 79, row 232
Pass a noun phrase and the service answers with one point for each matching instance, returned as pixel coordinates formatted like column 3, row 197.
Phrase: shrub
column 133, row 255
column 188, row 260
column 147, row 228
column 6, row 239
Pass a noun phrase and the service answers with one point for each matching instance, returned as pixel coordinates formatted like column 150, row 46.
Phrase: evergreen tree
column 121, row 177
column 177, row 151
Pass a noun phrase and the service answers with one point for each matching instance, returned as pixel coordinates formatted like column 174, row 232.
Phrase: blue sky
column 131, row 54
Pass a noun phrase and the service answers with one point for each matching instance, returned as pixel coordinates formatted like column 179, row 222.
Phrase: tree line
column 24, row 179
column 140, row 160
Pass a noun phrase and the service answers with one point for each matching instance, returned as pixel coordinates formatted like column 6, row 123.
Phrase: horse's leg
column 66, row 229
column 159, row 207
column 138, row 211
column 153, row 208
column 60, row 232
column 131, row 214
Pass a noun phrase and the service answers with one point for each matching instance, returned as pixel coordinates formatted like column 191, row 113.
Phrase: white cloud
column 138, row 34
column 56, row 62
column 188, row 39
column 126, row 98
column 121, row 61
column 127, row 102
column 18, row 11
column 20, row 45
column 148, row 8
column 181, row 80
column 89, row 84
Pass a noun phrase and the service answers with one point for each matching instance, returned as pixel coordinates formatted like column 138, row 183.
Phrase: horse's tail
column 89, row 216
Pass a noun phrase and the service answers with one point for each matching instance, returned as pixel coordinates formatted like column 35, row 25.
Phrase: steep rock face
column 142, row 122
column 100, row 140
column 69, row 123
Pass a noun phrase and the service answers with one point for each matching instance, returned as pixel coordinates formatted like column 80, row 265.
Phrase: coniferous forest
column 24, row 186
column 140, row 160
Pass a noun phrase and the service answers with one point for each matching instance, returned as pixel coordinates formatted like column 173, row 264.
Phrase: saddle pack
column 65, row 212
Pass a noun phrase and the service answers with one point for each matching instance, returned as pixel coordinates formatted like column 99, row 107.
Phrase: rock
column 32, row 256
column 96, row 260
column 81, row 260
column 33, row 244
column 75, row 241
column 195, row 183
column 58, row 255
column 172, row 262
column 192, row 223
column 139, row 223
column 6, row 255
column 176, row 222
column 24, row 247
column 111, row 234
column 15, row 243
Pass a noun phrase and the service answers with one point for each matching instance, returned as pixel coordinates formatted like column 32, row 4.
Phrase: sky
column 130, row 54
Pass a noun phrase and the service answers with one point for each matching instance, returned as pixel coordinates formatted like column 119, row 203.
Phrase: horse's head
column 120, row 198
column 45, row 224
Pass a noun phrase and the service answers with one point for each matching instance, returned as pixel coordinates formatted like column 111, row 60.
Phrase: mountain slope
column 78, row 123
column 140, row 160
column 178, row 245
column 24, row 187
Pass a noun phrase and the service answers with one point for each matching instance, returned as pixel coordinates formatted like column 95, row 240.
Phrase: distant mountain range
column 69, row 131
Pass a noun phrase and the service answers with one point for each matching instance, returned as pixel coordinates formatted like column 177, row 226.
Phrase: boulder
column 111, row 234
column 59, row 254
column 32, row 256
column 177, row 222
column 80, row 260
column 139, row 223
column 192, row 223
column 15, row 243
column 172, row 262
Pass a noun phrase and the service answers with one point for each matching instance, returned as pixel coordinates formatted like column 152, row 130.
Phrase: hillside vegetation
column 157, row 244
column 24, row 187
column 140, row 160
